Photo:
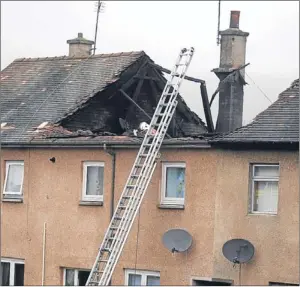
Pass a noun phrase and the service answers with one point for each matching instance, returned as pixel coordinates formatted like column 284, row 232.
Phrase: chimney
column 231, row 95
column 80, row 47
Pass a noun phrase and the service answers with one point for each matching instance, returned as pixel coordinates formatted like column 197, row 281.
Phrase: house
column 66, row 156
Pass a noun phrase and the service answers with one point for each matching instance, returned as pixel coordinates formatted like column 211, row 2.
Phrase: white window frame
column 12, row 262
column 171, row 200
column 258, row 178
column 143, row 273
column 9, row 163
column 76, row 271
column 86, row 197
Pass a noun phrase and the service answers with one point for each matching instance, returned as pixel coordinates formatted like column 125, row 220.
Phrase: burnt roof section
column 38, row 90
column 279, row 123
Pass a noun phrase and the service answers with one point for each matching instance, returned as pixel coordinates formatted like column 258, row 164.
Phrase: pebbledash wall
column 216, row 202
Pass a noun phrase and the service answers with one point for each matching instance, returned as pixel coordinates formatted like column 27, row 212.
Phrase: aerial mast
column 100, row 6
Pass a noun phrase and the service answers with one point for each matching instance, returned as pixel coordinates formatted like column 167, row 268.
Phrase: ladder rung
column 102, row 260
column 131, row 185
column 139, row 165
column 144, row 154
column 106, row 250
column 126, row 197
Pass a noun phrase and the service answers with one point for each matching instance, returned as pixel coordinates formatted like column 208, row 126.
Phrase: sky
column 161, row 28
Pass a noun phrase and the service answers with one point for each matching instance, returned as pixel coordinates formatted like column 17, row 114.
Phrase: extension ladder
column 140, row 176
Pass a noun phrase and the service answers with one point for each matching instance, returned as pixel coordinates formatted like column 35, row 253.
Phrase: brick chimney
column 231, row 95
column 80, row 47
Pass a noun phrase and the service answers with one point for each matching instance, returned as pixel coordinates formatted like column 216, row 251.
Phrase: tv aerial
column 238, row 251
column 177, row 240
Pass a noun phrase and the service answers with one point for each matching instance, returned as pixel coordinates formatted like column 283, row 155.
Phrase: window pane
column 266, row 196
column 19, row 274
column 266, row 171
column 83, row 277
column 94, row 181
column 153, row 281
column 134, row 280
column 14, row 178
column 5, row 269
column 70, row 274
column 175, row 182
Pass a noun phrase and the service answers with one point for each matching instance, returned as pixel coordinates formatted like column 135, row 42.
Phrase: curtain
column 94, row 181
column 175, row 182
column 70, row 275
column 14, row 178
column 153, row 281
column 134, row 280
column 266, row 196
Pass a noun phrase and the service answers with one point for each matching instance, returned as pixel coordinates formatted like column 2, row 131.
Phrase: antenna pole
column 98, row 11
column 219, row 14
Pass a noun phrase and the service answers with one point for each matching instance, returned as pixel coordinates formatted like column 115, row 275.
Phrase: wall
column 215, row 211
column 52, row 193
column 275, row 237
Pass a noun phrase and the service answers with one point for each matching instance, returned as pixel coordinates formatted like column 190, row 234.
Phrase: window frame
column 143, row 273
column 9, row 163
column 12, row 262
column 84, row 196
column 171, row 200
column 254, row 179
column 76, row 272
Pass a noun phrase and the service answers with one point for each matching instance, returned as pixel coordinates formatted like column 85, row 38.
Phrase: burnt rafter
column 137, row 91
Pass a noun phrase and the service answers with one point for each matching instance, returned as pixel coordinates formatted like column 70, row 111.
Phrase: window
column 282, row 284
column 13, row 178
column 93, row 176
column 264, row 188
column 173, row 183
column 75, row 277
column 12, row 271
column 141, row 278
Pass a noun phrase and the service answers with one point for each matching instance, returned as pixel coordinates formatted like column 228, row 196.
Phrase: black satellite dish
column 177, row 240
column 238, row 250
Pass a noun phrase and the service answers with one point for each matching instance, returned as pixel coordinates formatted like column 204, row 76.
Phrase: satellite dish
column 177, row 240
column 238, row 250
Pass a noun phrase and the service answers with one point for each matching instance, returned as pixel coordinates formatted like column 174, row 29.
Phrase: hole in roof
column 42, row 125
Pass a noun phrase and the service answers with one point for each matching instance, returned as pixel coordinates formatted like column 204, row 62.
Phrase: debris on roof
column 80, row 96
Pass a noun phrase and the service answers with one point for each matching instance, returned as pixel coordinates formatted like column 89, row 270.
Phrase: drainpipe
column 113, row 154
column 112, row 204
column 44, row 251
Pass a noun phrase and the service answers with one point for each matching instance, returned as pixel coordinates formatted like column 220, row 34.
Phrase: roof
column 38, row 90
column 279, row 123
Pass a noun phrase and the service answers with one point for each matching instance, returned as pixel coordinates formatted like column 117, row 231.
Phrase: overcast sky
column 161, row 29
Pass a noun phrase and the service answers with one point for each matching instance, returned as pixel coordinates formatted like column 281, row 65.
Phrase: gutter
column 203, row 144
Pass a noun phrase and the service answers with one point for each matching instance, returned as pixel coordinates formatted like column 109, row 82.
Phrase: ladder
column 140, row 176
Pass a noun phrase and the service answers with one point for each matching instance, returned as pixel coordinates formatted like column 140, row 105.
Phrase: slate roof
column 279, row 123
column 38, row 90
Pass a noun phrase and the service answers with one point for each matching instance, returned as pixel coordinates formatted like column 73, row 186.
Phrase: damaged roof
column 279, row 123
column 48, row 90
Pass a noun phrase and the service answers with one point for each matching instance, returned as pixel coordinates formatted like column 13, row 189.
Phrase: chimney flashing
column 234, row 32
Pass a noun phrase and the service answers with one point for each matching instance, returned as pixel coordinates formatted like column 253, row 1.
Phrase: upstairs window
column 264, row 188
column 13, row 179
column 75, row 277
column 12, row 271
column 173, row 184
column 141, row 278
column 93, row 179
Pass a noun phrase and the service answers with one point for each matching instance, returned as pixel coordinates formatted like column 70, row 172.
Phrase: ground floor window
column 141, row 278
column 197, row 282
column 75, row 277
column 282, row 284
column 12, row 271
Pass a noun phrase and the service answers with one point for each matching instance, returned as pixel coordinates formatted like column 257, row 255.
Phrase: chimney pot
column 234, row 19
column 80, row 35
